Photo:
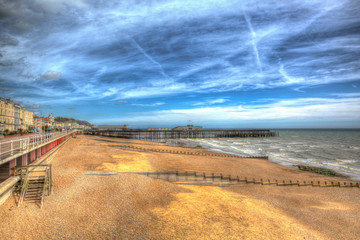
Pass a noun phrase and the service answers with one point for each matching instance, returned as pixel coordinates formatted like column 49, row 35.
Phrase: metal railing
column 11, row 147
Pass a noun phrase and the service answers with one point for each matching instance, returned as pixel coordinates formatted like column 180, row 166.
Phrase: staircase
column 35, row 183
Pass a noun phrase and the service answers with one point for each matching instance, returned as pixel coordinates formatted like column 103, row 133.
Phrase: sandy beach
column 96, row 196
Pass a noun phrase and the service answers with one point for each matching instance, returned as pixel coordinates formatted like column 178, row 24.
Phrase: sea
column 338, row 150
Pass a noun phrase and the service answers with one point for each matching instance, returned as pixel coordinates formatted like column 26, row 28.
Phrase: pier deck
column 160, row 135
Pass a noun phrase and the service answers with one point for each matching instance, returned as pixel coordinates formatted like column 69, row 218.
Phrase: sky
column 210, row 63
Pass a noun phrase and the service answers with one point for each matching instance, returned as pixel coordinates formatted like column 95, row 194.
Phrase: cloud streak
column 316, row 110
column 253, row 39
column 51, row 75
column 212, row 101
column 73, row 52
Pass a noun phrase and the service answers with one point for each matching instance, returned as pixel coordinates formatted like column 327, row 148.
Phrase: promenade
column 21, row 151
column 98, row 195
column 13, row 145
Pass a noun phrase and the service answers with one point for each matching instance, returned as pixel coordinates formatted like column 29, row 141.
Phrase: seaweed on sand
column 320, row 170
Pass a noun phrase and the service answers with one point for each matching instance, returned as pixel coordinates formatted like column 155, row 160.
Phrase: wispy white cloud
column 154, row 91
column 51, row 75
column 147, row 104
column 56, row 6
column 123, row 51
column 212, row 101
column 314, row 109
column 110, row 92
column 346, row 95
column 289, row 79
column 122, row 102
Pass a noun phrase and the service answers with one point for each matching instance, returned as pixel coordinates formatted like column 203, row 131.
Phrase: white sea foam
column 337, row 150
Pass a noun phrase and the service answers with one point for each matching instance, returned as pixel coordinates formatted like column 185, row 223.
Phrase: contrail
column 253, row 39
column 150, row 58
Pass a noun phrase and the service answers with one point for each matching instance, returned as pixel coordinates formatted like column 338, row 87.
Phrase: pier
column 161, row 135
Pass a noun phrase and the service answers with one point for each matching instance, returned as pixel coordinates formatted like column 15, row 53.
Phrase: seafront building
column 59, row 125
column 14, row 117
column 38, row 123
column 47, row 123
column 7, row 117
column 52, row 120
column 17, row 121
column 22, row 116
column 27, row 119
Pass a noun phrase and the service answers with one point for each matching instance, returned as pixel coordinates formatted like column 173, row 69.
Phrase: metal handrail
column 11, row 147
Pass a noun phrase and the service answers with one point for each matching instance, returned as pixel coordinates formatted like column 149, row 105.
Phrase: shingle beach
column 96, row 196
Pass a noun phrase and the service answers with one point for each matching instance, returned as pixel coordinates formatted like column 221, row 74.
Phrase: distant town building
column 47, row 122
column 59, row 125
column 52, row 120
column 38, row 123
column 187, row 128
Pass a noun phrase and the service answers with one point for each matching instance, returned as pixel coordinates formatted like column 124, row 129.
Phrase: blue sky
column 244, row 64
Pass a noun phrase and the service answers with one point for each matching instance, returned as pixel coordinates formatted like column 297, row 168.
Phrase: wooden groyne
column 140, row 149
column 160, row 135
column 194, row 178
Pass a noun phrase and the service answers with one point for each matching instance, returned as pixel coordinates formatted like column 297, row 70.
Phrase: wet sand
column 89, row 204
